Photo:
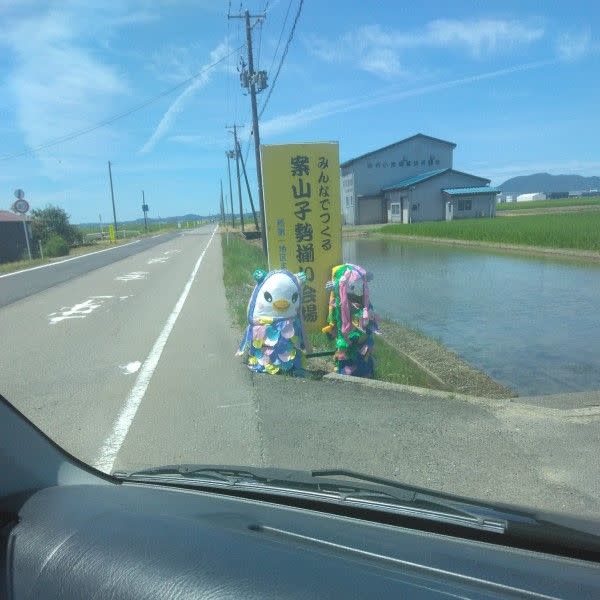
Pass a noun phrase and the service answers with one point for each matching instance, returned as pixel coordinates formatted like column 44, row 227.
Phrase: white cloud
column 198, row 140
column 378, row 51
column 573, row 45
column 300, row 118
column 481, row 36
column 178, row 105
column 58, row 84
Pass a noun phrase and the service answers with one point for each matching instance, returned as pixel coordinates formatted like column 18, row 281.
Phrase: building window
column 415, row 207
column 464, row 205
column 395, row 208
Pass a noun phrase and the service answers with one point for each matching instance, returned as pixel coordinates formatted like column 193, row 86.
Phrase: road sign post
column 145, row 211
column 21, row 206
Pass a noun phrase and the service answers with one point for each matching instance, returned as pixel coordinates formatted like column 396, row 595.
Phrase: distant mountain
column 544, row 182
column 188, row 217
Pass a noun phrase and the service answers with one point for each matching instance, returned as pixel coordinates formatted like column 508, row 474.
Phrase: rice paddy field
column 578, row 231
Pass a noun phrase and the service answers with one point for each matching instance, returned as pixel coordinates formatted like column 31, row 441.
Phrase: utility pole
column 237, row 167
column 222, row 205
column 239, row 150
column 253, row 80
column 112, row 195
column 230, row 154
column 233, row 129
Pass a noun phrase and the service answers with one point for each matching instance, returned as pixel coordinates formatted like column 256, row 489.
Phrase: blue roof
column 404, row 183
column 465, row 191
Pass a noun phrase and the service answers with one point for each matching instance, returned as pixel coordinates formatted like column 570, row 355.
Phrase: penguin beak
column 281, row 305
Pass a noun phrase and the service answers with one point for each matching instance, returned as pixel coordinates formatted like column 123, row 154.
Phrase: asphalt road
column 132, row 365
column 18, row 285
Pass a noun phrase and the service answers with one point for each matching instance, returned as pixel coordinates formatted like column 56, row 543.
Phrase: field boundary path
column 442, row 364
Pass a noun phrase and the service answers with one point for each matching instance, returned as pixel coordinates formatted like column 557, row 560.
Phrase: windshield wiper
column 384, row 495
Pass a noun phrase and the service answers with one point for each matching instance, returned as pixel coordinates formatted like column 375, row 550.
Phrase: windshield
column 299, row 235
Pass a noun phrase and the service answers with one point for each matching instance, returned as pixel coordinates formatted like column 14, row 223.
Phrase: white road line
column 60, row 262
column 235, row 405
column 111, row 447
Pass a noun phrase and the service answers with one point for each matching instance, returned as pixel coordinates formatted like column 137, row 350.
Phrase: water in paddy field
column 531, row 323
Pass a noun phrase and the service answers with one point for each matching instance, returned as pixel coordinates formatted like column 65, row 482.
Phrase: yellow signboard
column 111, row 233
column 301, row 185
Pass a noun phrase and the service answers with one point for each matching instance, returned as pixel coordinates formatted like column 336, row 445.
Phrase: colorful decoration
column 275, row 338
column 351, row 320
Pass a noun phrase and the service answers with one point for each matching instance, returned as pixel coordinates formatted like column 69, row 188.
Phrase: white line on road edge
column 60, row 262
column 112, row 445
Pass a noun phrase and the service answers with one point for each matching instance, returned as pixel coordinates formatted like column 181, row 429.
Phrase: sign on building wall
column 301, row 184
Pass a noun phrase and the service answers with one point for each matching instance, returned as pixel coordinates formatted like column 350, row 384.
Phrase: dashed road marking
column 131, row 368
column 78, row 311
column 133, row 276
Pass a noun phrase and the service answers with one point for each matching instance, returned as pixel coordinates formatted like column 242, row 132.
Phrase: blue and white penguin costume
column 275, row 337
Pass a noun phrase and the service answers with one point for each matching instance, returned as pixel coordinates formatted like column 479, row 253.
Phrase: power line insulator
column 261, row 81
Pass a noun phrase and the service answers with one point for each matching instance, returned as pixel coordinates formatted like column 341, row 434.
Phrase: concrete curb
column 514, row 405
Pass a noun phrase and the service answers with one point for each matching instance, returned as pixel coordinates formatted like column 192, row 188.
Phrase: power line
column 287, row 13
column 284, row 54
column 109, row 121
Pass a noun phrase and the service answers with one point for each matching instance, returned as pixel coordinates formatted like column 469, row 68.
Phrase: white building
column 412, row 180
column 531, row 197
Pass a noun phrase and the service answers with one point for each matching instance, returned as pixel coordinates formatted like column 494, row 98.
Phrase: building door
column 449, row 215
column 395, row 214
column 404, row 202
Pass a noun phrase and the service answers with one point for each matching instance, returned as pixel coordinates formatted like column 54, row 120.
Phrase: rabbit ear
column 330, row 285
column 301, row 276
column 369, row 276
column 259, row 275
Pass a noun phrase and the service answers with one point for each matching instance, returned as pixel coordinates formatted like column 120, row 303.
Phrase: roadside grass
column 129, row 230
column 587, row 201
column 11, row 267
column 241, row 258
column 392, row 366
column 580, row 231
column 17, row 265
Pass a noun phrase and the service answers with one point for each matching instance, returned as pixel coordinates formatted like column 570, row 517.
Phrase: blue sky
column 514, row 84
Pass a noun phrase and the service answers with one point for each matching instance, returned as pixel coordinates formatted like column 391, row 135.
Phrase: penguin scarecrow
column 275, row 338
column 351, row 321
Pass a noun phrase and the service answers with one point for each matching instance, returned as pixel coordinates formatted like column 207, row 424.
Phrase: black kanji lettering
column 309, row 312
column 305, row 253
column 300, row 192
column 309, row 294
column 302, row 209
column 304, row 232
column 299, row 165
column 323, row 162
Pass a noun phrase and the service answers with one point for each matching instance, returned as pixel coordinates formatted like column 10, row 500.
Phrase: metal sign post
column 145, row 211
column 22, row 206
